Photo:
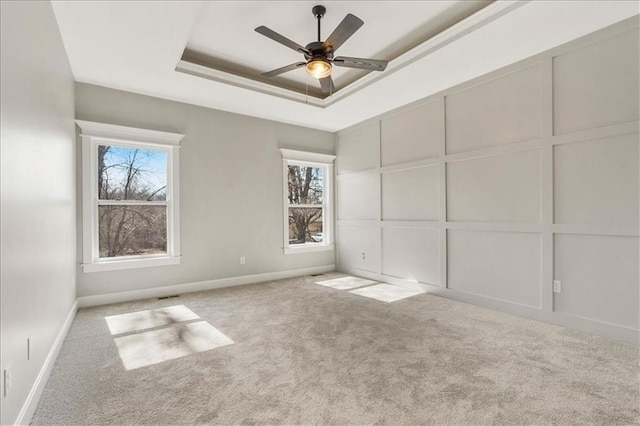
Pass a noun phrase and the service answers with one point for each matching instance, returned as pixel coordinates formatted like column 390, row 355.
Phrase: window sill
column 116, row 265
column 308, row 248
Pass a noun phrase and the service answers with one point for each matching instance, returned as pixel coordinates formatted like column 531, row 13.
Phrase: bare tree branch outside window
column 139, row 176
column 305, row 195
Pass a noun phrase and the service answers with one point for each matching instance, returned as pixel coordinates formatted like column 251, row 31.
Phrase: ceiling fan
column 318, row 55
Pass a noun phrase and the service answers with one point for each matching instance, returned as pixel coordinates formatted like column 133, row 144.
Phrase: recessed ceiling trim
column 214, row 74
column 466, row 26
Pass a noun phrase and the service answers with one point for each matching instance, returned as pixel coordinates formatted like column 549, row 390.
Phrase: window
column 130, row 197
column 308, row 184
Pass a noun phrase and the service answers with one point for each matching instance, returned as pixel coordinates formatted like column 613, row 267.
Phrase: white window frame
column 94, row 134
column 303, row 158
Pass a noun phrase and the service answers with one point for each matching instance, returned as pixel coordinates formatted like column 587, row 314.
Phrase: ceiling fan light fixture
column 319, row 55
column 318, row 68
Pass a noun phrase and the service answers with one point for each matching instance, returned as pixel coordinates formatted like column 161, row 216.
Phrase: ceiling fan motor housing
column 317, row 49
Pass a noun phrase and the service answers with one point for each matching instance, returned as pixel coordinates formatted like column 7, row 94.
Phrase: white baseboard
column 31, row 403
column 127, row 296
column 603, row 329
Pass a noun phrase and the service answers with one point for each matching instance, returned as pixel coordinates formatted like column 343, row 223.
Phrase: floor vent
column 168, row 297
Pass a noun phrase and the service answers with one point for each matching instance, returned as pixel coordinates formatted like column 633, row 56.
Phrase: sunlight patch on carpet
column 346, row 283
column 142, row 320
column 154, row 347
column 386, row 292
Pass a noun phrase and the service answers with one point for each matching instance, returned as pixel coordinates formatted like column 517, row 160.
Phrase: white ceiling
column 137, row 45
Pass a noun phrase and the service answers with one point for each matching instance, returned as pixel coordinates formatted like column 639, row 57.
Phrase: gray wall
column 490, row 190
column 37, row 194
column 230, row 190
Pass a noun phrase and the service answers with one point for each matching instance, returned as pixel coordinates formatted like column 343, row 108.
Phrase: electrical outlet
column 362, row 256
column 242, row 260
column 6, row 377
column 557, row 286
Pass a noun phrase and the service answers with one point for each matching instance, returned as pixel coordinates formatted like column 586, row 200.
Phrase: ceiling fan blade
column 284, row 69
column 361, row 63
column 326, row 84
column 267, row 32
column 343, row 31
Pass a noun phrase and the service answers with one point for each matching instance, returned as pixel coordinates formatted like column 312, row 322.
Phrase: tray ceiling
column 139, row 46
column 224, row 38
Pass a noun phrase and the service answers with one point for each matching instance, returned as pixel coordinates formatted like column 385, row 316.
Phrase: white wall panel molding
column 410, row 165
column 498, row 188
column 604, row 33
column 356, row 152
column 442, row 189
column 410, row 134
column 612, row 229
column 412, row 254
column 358, row 222
column 527, row 145
column 360, row 246
column 598, row 133
column 498, row 111
column 546, row 185
column 359, row 197
column 599, row 276
column 596, row 181
column 597, row 84
column 410, row 194
column 494, row 75
column 500, row 265
column 509, row 188
column 351, row 175
column 412, row 224
column 495, row 226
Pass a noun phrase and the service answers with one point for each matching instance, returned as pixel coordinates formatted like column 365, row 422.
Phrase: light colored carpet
column 346, row 283
column 156, row 346
column 309, row 354
column 386, row 292
column 142, row 320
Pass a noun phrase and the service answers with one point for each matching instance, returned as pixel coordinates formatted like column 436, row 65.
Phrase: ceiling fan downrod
column 319, row 11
